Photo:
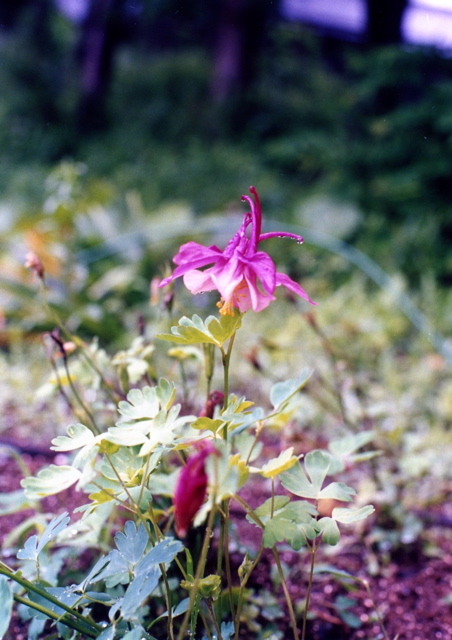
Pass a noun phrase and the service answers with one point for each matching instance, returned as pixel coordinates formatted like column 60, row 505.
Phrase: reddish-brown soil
column 408, row 583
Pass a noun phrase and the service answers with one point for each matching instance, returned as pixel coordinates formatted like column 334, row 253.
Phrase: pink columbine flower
column 245, row 277
column 191, row 488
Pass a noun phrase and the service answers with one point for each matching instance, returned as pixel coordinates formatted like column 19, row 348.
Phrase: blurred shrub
column 369, row 129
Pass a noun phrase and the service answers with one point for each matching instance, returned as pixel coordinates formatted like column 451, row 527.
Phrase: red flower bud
column 191, row 488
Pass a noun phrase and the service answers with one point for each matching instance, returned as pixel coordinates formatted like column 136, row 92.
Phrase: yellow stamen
column 226, row 307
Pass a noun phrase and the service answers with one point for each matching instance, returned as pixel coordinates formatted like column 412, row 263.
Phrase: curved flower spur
column 245, row 277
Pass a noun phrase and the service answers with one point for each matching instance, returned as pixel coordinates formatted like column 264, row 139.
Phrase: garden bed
column 410, row 584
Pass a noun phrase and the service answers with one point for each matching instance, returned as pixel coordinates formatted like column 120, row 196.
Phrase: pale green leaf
column 296, row 481
column 108, row 633
column 309, row 484
column 208, row 423
column 138, row 592
column 185, row 353
column 223, row 328
column 266, row 508
column 281, row 392
column 195, row 331
column 345, row 449
column 317, row 464
column 347, row 516
column 189, row 331
column 13, row 502
column 277, row 465
column 282, row 519
column 329, row 530
column 337, row 491
column 49, row 481
column 140, row 404
column 350, row 443
column 34, row 545
column 166, row 393
column 131, row 543
column 6, row 605
column 279, row 530
column 78, row 436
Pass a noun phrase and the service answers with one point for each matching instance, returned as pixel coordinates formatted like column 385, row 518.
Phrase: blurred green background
column 134, row 119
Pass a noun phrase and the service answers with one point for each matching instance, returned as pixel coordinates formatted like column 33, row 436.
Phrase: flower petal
column 252, row 296
column 264, row 268
column 192, row 256
column 285, row 281
column 199, row 281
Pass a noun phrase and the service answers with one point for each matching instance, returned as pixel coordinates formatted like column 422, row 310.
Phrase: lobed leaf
column 49, row 481
column 132, row 543
column 33, row 546
column 13, row 502
column 188, row 332
column 338, row 491
column 6, row 605
column 309, row 484
column 138, row 591
column 283, row 462
column 140, row 404
column 347, row 516
column 195, row 331
column 329, row 530
column 282, row 392
column 78, row 436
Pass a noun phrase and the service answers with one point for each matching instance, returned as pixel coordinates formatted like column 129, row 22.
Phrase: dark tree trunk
column 96, row 59
column 384, row 21
column 241, row 33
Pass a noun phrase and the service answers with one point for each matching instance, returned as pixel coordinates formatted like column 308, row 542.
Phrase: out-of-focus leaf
column 34, row 545
column 338, row 491
column 281, row 392
column 6, row 604
column 347, row 516
column 49, row 481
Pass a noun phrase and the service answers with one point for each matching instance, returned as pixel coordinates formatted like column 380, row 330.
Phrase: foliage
column 371, row 129
column 137, row 470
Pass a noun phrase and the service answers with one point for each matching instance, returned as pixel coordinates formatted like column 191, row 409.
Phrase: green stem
column 72, row 338
column 242, row 589
column 214, row 618
column 29, row 586
column 226, row 358
column 293, row 620
column 259, row 522
column 227, row 560
column 88, row 413
column 64, row 619
column 199, row 568
column 379, row 618
column 308, row 593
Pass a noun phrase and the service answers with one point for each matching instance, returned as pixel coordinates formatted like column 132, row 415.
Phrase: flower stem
column 242, row 589
column 308, row 593
column 92, row 628
column 199, row 569
column 293, row 620
column 226, row 358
